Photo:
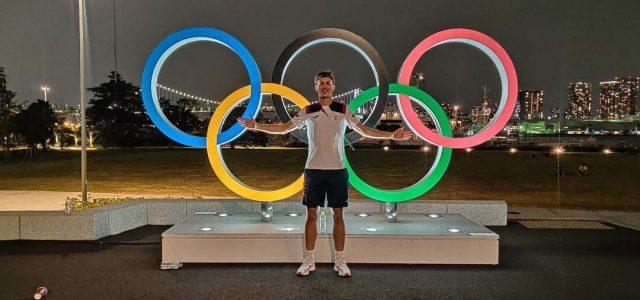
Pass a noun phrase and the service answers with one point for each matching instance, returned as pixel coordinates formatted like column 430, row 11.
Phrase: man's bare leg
column 310, row 228
column 310, row 233
column 338, row 229
column 339, row 237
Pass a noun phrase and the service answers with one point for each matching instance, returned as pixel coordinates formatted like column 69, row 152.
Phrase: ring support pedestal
column 414, row 239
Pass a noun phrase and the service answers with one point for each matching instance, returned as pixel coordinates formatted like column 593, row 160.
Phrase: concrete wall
column 93, row 224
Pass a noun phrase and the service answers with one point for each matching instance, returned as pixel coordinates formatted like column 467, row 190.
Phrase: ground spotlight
column 558, row 150
column 289, row 228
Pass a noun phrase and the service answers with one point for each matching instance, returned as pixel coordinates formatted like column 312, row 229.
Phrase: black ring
column 340, row 34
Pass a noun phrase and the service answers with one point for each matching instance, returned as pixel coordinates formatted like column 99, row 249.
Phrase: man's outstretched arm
column 268, row 128
column 400, row 134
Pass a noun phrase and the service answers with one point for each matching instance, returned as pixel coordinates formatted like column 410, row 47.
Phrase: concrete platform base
column 416, row 239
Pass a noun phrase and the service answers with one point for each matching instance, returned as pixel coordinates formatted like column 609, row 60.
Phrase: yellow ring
column 213, row 149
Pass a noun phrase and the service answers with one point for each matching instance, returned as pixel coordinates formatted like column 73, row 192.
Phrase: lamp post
column 83, row 103
column 45, row 89
column 455, row 117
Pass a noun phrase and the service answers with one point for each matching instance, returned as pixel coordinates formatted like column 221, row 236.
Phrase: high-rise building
column 516, row 111
column 579, row 100
column 629, row 87
column 608, row 98
column 556, row 112
column 531, row 104
column 619, row 97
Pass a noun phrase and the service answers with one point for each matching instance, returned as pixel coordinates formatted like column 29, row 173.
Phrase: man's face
column 325, row 87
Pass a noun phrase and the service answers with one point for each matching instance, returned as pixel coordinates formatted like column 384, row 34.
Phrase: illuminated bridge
column 207, row 105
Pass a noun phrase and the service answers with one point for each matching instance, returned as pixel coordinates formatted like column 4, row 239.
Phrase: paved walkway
column 534, row 264
column 33, row 200
column 49, row 200
column 620, row 218
column 46, row 200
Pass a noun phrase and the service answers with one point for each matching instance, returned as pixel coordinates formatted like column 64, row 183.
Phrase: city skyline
column 580, row 104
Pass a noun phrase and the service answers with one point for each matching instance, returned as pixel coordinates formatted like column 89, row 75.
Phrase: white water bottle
column 323, row 222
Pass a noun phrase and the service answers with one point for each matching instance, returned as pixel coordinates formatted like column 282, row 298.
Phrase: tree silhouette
column 36, row 123
column 8, row 111
column 180, row 115
column 65, row 129
column 117, row 114
column 249, row 137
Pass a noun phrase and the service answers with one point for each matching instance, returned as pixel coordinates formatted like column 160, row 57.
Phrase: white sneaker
column 308, row 265
column 341, row 267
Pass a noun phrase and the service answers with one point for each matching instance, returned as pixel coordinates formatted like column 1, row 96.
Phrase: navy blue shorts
column 334, row 184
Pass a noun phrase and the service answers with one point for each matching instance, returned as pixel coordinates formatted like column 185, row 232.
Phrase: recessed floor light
column 289, row 228
column 434, row 215
column 362, row 215
column 205, row 229
column 454, row 230
column 223, row 215
column 372, row 229
column 293, row 214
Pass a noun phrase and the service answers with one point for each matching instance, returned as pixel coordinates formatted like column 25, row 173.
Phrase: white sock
column 308, row 253
column 339, row 255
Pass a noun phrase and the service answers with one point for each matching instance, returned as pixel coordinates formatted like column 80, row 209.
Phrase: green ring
column 436, row 171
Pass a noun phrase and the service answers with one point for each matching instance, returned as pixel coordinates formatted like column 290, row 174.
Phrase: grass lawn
column 479, row 175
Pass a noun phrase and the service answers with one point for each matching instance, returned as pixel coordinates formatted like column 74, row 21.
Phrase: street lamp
column 455, row 122
column 83, row 101
column 45, row 89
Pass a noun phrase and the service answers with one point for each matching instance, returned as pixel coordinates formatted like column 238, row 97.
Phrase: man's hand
column 401, row 134
column 249, row 123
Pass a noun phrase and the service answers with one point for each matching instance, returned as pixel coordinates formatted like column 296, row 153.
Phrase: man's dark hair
column 325, row 73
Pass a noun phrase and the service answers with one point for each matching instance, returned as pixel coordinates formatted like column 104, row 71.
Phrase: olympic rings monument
column 438, row 238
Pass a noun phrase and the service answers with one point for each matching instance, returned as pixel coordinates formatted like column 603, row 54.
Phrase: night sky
column 551, row 43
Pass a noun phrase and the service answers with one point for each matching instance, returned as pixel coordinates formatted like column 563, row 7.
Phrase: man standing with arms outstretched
column 325, row 173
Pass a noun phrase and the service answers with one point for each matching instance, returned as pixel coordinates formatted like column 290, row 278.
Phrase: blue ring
column 163, row 51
